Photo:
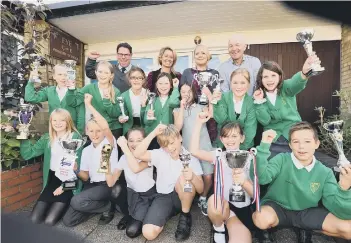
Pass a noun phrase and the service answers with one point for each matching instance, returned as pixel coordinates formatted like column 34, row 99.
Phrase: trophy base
column 103, row 170
column 237, row 196
column 188, row 188
column 69, row 185
column 203, row 102
column 22, row 137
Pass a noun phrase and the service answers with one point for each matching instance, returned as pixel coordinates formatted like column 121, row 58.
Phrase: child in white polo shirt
column 171, row 178
column 96, row 195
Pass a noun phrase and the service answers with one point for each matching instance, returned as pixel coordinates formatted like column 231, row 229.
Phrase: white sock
column 201, row 198
column 219, row 237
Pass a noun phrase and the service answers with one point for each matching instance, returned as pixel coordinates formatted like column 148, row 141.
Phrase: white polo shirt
column 169, row 170
column 90, row 160
column 139, row 182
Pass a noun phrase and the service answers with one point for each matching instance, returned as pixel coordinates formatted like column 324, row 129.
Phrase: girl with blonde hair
column 53, row 200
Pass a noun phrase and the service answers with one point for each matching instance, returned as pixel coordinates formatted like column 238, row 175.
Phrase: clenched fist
column 268, row 136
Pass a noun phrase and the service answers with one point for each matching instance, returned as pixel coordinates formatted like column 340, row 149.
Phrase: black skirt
column 48, row 193
column 136, row 122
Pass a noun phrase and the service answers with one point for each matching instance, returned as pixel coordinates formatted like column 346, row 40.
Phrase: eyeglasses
column 123, row 55
column 137, row 78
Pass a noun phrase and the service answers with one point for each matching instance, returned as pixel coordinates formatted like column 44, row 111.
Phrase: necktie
column 123, row 69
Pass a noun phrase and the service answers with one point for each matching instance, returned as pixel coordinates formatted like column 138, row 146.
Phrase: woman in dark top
column 201, row 56
column 167, row 59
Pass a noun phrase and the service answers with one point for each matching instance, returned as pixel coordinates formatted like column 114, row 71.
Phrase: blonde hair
column 69, row 123
column 111, row 88
column 162, row 51
column 171, row 132
column 241, row 71
column 209, row 56
column 58, row 65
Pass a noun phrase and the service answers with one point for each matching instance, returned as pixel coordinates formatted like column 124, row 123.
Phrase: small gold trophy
column 105, row 159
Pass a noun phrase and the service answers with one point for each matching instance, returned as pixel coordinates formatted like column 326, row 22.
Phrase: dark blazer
column 152, row 78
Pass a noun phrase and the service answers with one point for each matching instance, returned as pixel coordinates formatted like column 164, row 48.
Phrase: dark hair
column 271, row 66
column 303, row 126
column 136, row 69
column 125, row 45
column 228, row 127
column 169, row 76
column 193, row 91
column 136, row 128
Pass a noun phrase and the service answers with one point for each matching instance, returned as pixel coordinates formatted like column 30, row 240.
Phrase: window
column 182, row 63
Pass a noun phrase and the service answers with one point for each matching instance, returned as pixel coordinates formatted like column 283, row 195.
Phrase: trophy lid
column 305, row 35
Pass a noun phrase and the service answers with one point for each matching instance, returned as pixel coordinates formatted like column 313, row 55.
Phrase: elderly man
column 236, row 48
column 124, row 56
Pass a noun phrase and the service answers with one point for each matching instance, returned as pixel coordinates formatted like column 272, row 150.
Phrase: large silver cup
column 185, row 158
column 335, row 132
column 71, row 72
column 25, row 116
column 152, row 98
column 238, row 159
column 204, row 79
column 120, row 101
column 65, row 172
column 305, row 37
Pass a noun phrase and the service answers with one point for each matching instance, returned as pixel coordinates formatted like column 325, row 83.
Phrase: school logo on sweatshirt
column 314, row 186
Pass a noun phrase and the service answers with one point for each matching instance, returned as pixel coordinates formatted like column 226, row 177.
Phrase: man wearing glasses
column 124, row 56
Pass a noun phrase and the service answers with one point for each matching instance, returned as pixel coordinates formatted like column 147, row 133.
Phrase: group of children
column 147, row 182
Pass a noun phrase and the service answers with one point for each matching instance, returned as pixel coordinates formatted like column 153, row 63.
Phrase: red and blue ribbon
column 256, row 185
column 218, row 180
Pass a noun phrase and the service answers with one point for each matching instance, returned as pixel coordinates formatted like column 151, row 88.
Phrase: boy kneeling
column 171, row 178
column 298, row 183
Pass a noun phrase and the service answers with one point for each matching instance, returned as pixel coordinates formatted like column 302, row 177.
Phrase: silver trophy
column 185, row 158
column 120, row 101
column 335, row 132
column 305, row 37
column 106, row 152
column 238, row 159
column 71, row 72
column 204, row 79
column 25, row 116
column 65, row 171
column 217, row 88
column 152, row 98
column 35, row 67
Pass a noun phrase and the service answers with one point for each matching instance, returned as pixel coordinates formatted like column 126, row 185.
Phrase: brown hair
column 171, row 132
column 241, row 71
column 134, row 69
column 303, row 126
column 271, row 66
column 229, row 127
column 169, row 76
column 192, row 90
column 69, row 123
column 134, row 129
column 111, row 87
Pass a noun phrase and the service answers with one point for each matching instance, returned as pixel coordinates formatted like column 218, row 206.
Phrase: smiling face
column 239, row 85
column 186, row 93
column 232, row 140
column 59, row 122
column 136, row 80
column 303, row 145
column 270, row 80
column 174, row 146
column 167, row 58
column 94, row 132
column 124, row 56
column 163, row 85
column 60, row 75
column 103, row 74
column 134, row 139
column 201, row 55
column 236, row 48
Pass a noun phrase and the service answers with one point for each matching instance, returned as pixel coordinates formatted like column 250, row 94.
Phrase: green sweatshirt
column 224, row 111
column 49, row 94
column 128, row 110
column 105, row 107
column 42, row 146
column 298, row 189
column 163, row 114
column 281, row 116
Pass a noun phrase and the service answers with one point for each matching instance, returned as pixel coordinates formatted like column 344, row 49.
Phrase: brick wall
column 346, row 58
column 20, row 187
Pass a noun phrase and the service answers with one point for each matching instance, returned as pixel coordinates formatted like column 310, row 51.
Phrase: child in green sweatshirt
column 298, row 183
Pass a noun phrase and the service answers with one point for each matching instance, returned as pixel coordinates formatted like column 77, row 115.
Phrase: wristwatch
column 76, row 171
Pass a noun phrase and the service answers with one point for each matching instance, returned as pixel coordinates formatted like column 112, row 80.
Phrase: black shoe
column 304, row 236
column 134, row 228
column 122, row 224
column 184, row 225
column 106, row 218
column 264, row 236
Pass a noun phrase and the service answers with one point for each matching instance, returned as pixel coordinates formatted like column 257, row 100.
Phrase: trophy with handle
column 105, row 158
column 71, row 72
column 204, row 79
column 238, row 159
column 185, row 158
column 65, row 171
column 335, row 132
column 219, row 81
column 152, row 98
column 120, row 101
column 305, row 37
column 25, row 116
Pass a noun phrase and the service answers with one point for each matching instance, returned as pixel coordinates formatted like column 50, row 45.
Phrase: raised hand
column 268, row 136
column 203, row 117
column 143, row 98
column 258, row 95
column 159, row 129
column 345, row 177
column 175, row 82
column 307, row 66
column 122, row 141
column 93, row 55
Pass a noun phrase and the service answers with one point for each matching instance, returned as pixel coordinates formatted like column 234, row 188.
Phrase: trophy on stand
column 335, row 132
column 204, row 79
column 105, row 159
column 217, row 88
column 25, row 116
column 305, row 37
column 152, row 98
column 35, row 67
column 185, row 158
column 71, row 72
column 65, row 172
column 238, row 159
column 120, row 101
